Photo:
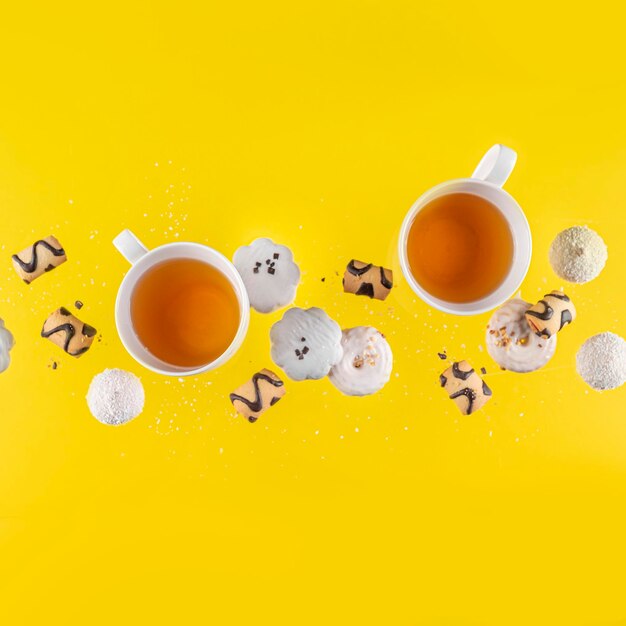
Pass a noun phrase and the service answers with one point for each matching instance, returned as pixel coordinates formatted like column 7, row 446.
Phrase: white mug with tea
column 465, row 245
column 182, row 308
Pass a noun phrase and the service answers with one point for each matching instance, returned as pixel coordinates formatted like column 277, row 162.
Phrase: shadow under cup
column 163, row 257
column 521, row 245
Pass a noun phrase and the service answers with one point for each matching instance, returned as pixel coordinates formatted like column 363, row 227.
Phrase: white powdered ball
column 115, row 397
column 601, row 361
column 578, row 254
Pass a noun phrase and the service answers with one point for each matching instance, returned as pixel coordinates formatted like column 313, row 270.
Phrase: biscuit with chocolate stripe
column 68, row 332
column 551, row 314
column 367, row 279
column 258, row 394
column 44, row 255
column 465, row 387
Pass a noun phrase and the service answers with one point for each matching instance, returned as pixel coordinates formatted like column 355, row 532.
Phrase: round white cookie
column 269, row 273
column 306, row 343
column 6, row 344
column 366, row 364
column 511, row 342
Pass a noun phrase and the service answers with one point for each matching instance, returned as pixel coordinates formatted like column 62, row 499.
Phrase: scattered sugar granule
column 578, row 254
column 115, row 397
column 601, row 361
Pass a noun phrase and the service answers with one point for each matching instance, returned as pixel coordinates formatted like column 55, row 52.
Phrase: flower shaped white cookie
column 6, row 343
column 269, row 274
column 306, row 343
column 366, row 364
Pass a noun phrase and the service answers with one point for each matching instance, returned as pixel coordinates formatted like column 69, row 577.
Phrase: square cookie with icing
column 258, row 394
column 68, row 332
column 44, row 255
column 367, row 279
column 551, row 314
column 465, row 387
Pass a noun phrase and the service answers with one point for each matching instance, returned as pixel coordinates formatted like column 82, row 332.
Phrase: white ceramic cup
column 486, row 181
column 141, row 260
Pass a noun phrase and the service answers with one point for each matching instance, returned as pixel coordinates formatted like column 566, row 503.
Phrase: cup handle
column 496, row 166
column 129, row 246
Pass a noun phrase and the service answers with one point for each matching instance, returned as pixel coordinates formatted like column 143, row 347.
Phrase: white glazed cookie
column 6, row 343
column 306, row 343
column 269, row 273
column 366, row 364
column 511, row 342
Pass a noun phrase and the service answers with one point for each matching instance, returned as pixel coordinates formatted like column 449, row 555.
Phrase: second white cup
column 486, row 182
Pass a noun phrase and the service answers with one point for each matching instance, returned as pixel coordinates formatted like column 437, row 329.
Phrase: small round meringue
column 366, row 364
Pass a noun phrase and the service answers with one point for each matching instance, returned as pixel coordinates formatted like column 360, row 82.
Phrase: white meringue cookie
column 366, row 364
column 306, row 343
column 512, row 344
column 6, row 343
column 269, row 273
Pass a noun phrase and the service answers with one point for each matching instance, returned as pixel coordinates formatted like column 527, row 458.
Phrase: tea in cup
column 465, row 245
column 182, row 308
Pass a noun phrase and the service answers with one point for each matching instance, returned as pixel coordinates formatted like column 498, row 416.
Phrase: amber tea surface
column 185, row 312
column 460, row 247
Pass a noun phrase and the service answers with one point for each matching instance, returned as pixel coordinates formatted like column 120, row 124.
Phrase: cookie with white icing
column 6, row 344
column 306, row 343
column 366, row 364
column 511, row 342
column 269, row 273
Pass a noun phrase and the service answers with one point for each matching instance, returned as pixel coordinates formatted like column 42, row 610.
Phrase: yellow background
column 316, row 124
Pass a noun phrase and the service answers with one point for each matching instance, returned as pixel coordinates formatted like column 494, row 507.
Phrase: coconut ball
column 601, row 361
column 115, row 397
column 578, row 254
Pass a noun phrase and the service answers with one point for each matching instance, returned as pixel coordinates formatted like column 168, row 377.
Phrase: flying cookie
column 465, row 387
column 44, row 255
column 366, row 279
